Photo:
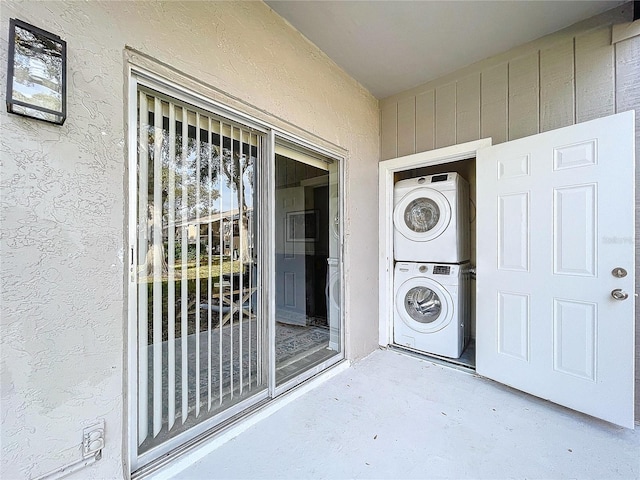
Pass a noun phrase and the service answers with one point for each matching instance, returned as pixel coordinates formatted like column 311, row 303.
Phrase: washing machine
column 432, row 307
column 332, row 293
column 431, row 219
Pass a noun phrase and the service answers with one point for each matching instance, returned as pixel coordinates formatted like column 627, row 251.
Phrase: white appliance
column 332, row 292
column 431, row 307
column 431, row 219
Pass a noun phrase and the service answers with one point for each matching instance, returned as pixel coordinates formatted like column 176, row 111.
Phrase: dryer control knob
column 422, row 268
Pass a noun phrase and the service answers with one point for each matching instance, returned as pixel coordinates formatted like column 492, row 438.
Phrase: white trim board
column 386, row 170
column 625, row 31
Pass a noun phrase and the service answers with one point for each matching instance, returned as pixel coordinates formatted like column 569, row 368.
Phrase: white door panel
column 555, row 216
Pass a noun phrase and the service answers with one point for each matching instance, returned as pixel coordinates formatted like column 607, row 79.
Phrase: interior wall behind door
column 571, row 76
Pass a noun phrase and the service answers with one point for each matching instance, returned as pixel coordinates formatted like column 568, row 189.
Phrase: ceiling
column 391, row 46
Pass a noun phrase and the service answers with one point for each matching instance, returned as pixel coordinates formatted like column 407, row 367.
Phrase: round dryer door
column 424, row 305
column 422, row 214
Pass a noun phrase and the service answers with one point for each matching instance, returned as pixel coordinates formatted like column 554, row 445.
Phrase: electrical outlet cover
column 93, row 439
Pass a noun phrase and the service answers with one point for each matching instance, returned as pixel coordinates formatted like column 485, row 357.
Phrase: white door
column 555, row 219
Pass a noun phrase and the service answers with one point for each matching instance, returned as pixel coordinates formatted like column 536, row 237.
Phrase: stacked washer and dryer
column 431, row 247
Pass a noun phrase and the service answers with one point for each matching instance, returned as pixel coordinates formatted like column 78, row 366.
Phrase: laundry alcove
column 460, row 159
column 552, row 316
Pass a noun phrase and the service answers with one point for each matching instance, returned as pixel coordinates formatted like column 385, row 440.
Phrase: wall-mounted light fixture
column 37, row 73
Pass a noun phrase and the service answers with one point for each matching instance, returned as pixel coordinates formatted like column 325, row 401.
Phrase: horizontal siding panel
column 446, row 115
column 557, row 87
column 595, row 82
column 468, row 108
column 494, row 93
column 426, row 121
column 407, row 126
column 389, row 130
column 523, row 96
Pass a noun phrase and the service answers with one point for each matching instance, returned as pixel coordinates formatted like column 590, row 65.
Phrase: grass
column 194, row 274
column 193, row 271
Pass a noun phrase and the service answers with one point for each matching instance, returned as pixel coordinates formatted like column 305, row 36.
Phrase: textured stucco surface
column 63, row 206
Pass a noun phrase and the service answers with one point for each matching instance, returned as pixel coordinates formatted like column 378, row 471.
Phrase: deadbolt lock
column 619, row 272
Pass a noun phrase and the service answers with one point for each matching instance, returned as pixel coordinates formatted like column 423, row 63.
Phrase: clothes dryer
column 431, row 219
column 432, row 306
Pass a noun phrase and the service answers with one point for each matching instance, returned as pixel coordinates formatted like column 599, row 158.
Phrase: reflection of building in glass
column 226, row 233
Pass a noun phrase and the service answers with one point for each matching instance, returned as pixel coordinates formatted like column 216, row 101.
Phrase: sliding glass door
column 234, row 281
column 201, row 343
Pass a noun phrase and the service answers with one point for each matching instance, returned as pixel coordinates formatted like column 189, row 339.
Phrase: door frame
column 146, row 76
column 276, row 390
column 386, row 171
column 140, row 77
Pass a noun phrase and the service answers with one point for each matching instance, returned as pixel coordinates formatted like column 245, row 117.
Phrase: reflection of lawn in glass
column 228, row 266
column 205, row 276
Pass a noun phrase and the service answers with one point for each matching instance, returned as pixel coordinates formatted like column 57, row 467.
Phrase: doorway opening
column 459, row 159
column 466, row 169
column 553, row 315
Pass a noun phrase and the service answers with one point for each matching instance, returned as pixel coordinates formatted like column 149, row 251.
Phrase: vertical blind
column 201, row 343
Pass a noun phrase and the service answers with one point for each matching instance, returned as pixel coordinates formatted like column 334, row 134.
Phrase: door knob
column 619, row 294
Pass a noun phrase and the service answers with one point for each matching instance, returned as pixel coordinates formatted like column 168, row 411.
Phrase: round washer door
column 332, row 290
column 422, row 214
column 424, row 305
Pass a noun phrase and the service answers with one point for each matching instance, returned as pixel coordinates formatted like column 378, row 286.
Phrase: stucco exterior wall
column 584, row 72
column 63, row 204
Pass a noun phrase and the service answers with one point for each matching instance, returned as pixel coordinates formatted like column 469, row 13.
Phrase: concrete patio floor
column 394, row 416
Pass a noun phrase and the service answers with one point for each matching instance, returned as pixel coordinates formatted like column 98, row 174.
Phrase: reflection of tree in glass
column 184, row 173
column 199, row 186
column 38, row 69
column 237, row 168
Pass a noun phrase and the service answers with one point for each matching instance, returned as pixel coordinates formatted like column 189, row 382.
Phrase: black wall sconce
column 37, row 73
